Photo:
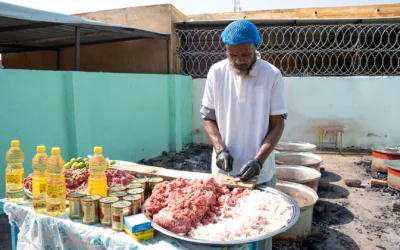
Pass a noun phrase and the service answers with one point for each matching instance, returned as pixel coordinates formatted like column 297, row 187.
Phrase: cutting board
column 170, row 174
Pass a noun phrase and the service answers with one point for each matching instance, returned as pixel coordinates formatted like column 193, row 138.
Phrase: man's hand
column 250, row 169
column 224, row 161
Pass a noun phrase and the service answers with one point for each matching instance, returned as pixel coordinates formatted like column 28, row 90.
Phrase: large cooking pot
column 297, row 146
column 298, row 174
column 306, row 199
column 380, row 154
column 310, row 160
column 393, row 177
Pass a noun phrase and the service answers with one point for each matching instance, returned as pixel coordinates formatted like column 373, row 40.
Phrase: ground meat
column 28, row 182
column 182, row 204
column 118, row 177
column 76, row 179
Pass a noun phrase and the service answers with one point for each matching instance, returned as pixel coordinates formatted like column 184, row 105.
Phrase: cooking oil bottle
column 39, row 179
column 14, row 173
column 97, row 183
column 56, row 190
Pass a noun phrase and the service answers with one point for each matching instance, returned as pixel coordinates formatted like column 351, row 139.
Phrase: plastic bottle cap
column 98, row 149
column 55, row 151
column 41, row 149
column 15, row 143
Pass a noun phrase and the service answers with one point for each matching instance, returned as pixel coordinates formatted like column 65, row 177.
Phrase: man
column 243, row 107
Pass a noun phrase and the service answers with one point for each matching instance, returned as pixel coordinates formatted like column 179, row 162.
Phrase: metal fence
column 313, row 50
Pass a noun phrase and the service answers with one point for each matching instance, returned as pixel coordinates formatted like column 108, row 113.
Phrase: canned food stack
column 138, row 227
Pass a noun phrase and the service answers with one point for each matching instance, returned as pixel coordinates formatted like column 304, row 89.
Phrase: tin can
column 136, row 201
column 117, row 189
column 138, row 191
column 90, row 209
column 119, row 210
column 133, row 186
column 105, row 210
column 75, row 204
column 142, row 181
column 152, row 183
column 120, row 194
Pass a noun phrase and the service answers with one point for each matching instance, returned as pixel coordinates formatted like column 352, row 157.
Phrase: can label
column 138, row 191
column 74, row 208
column 136, row 201
column 152, row 183
column 90, row 209
column 119, row 210
column 105, row 214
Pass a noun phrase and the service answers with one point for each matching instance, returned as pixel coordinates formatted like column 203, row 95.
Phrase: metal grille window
column 314, row 50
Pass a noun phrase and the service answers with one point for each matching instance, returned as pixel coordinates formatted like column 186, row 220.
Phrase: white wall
column 367, row 107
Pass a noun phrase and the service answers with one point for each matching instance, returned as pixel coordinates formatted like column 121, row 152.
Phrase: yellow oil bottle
column 14, row 173
column 56, row 189
column 97, row 182
column 39, row 179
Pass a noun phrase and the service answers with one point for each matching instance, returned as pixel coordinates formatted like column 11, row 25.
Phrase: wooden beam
column 348, row 12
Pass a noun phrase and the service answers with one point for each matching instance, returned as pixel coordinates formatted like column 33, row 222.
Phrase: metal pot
column 298, row 174
column 380, row 154
column 310, row 160
column 393, row 177
column 306, row 199
column 297, row 146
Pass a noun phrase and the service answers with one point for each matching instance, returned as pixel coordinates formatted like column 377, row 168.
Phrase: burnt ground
column 348, row 218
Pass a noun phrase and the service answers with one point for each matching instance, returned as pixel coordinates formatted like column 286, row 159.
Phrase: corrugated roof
column 27, row 29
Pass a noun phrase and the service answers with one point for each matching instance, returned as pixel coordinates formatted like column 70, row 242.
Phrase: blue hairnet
column 241, row 31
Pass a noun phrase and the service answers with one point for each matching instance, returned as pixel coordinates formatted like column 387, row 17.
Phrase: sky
column 188, row 7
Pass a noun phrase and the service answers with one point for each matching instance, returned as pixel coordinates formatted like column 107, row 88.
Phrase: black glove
column 224, row 161
column 250, row 169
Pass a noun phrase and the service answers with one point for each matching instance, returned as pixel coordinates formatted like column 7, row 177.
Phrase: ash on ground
column 194, row 158
column 386, row 191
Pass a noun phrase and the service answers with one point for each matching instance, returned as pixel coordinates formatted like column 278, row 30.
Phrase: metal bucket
column 380, row 154
column 297, row 146
column 298, row 174
column 393, row 177
column 306, row 198
column 310, row 160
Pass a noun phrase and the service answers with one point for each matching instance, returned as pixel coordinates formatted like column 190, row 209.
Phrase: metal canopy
column 26, row 29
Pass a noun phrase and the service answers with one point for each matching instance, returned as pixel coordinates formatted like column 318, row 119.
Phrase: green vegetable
column 81, row 165
column 79, row 159
column 86, row 159
column 113, row 162
column 72, row 160
column 67, row 166
column 75, row 165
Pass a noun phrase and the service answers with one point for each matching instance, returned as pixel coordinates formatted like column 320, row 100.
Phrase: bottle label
column 15, row 194
column 15, row 178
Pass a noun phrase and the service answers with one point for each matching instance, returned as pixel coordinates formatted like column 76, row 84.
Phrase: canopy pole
column 77, row 49
column 167, row 42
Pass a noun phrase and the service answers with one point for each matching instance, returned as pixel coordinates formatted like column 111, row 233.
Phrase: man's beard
column 243, row 72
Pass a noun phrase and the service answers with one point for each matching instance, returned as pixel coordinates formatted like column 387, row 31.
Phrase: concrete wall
column 140, row 56
column 365, row 106
column 133, row 116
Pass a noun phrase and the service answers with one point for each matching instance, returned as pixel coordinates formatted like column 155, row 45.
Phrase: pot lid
column 390, row 150
column 393, row 164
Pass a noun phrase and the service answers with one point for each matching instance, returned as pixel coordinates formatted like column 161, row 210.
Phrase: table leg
column 14, row 236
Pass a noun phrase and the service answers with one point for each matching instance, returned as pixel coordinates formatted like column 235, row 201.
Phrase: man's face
column 242, row 57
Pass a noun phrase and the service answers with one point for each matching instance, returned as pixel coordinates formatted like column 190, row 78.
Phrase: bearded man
column 243, row 107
